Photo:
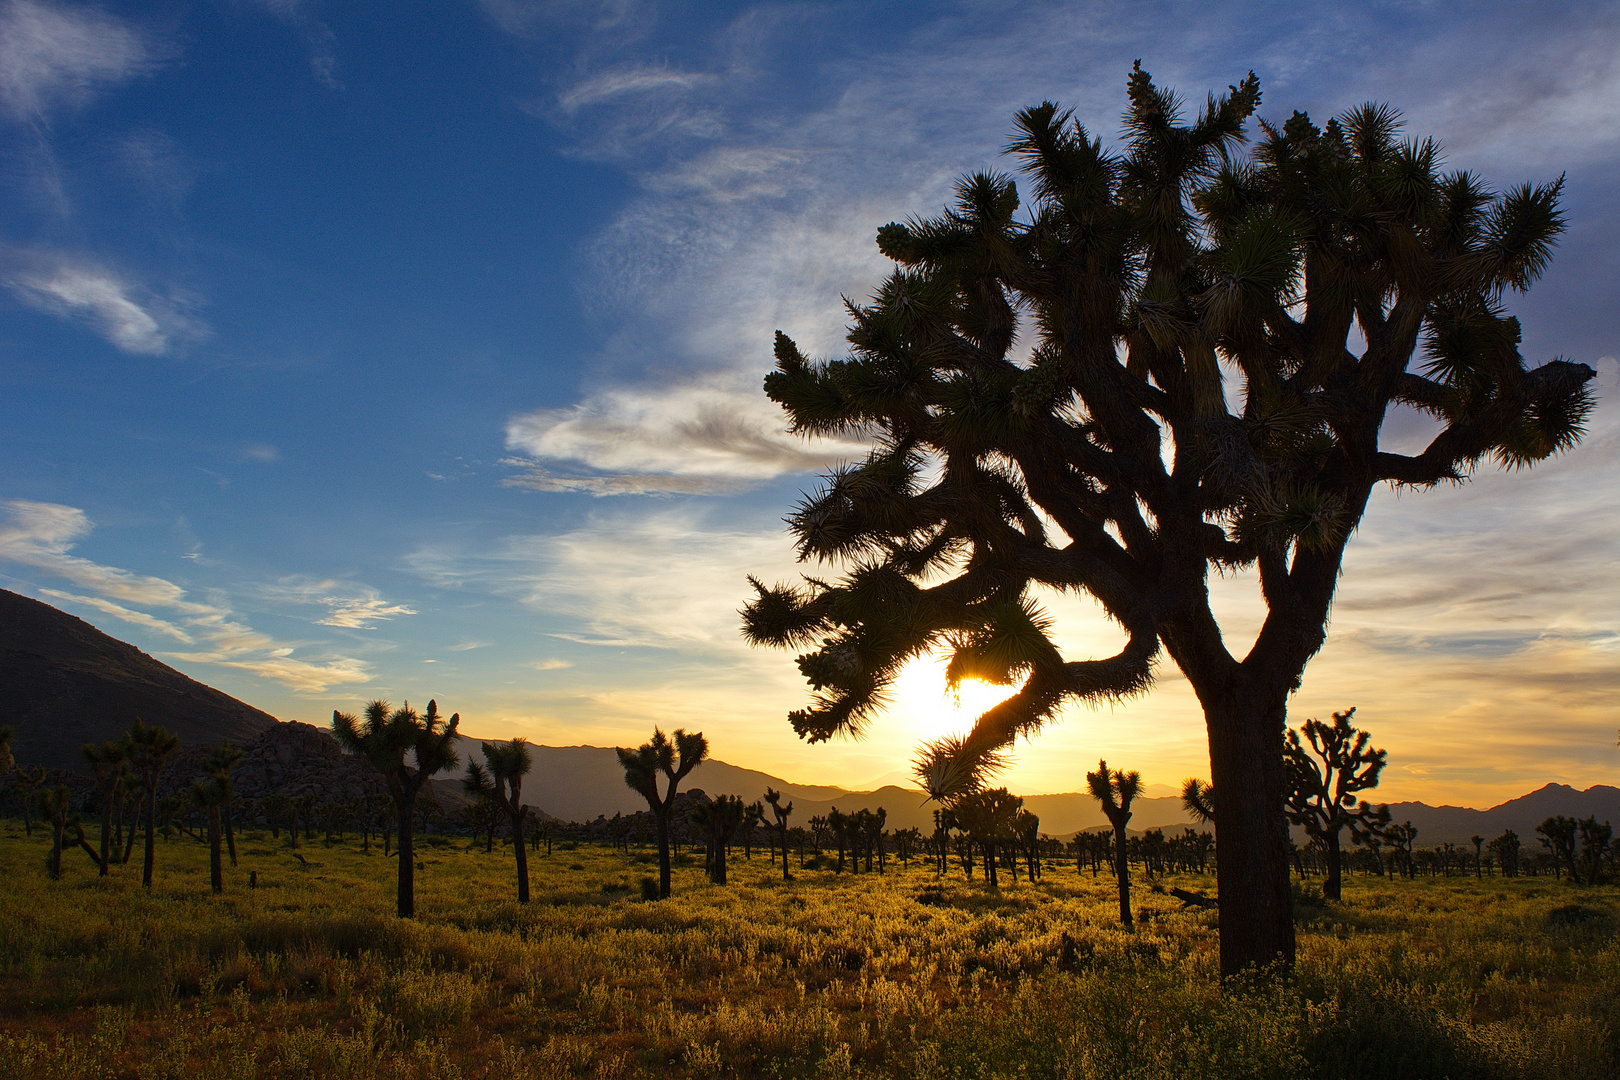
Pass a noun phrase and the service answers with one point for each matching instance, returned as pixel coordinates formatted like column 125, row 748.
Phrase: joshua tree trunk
column 662, row 820
column 1251, row 833
column 407, row 865
column 230, row 832
column 106, row 834
column 522, row 853
column 216, row 872
column 1122, row 868
column 151, row 833
column 1330, row 843
column 55, row 865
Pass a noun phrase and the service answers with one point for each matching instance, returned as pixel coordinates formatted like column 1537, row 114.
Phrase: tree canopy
column 1172, row 358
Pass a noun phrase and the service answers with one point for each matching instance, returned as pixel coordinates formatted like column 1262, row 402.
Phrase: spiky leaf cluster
column 1169, row 358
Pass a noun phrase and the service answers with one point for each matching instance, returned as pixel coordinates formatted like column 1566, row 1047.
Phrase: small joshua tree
column 781, row 814
column 30, row 778
column 1479, row 855
column 149, row 749
column 218, row 766
column 1506, row 848
column 109, row 765
column 719, row 821
column 675, row 760
column 1114, row 789
column 989, row 817
column 502, row 788
column 384, row 738
column 1558, row 837
column 1322, row 783
column 210, row 795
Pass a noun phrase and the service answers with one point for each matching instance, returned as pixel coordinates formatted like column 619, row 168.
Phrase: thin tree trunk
column 407, row 867
column 151, row 832
column 661, row 817
column 1122, row 872
column 522, row 854
column 216, row 872
column 230, row 832
column 1330, row 888
column 1251, row 833
column 106, row 833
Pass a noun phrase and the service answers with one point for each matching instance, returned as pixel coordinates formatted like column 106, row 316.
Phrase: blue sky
column 414, row 349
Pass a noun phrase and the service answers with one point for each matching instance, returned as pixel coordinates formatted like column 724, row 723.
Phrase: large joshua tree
column 501, row 785
column 383, row 738
column 675, row 759
column 1325, row 771
column 1178, row 358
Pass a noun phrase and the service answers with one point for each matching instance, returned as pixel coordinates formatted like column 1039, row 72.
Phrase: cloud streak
column 130, row 318
column 55, row 57
column 42, row 536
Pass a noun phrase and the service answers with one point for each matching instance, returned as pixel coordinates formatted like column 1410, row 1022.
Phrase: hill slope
column 65, row 683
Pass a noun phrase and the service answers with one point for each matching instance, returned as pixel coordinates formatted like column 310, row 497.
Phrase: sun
column 929, row 709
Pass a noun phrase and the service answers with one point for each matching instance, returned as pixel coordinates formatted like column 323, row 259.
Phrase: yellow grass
column 892, row 975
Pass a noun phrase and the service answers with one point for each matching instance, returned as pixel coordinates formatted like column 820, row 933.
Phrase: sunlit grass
column 310, row 974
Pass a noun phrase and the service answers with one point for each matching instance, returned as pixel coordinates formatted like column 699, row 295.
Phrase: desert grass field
column 898, row 974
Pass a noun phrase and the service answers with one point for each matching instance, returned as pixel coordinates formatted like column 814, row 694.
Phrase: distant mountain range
column 65, row 683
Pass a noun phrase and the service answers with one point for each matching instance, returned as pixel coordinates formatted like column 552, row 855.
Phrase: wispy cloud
column 352, row 606
column 133, row 319
column 57, row 56
column 42, row 535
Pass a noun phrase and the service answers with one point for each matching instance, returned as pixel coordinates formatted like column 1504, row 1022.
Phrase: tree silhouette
column 501, row 787
column 990, row 818
column 1479, row 855
column 384, row 738
column 1323, row 778
column 781, row 814
column 1114, row 789
column 718, row 821
column 30, row 778
column 1049, row 407
column 1198, row 799
column 641, row 768
column 1558, row 837
column 149, row 748
column 218, row 765
column 109, row 767
column 210, row 796
column 1506, row 848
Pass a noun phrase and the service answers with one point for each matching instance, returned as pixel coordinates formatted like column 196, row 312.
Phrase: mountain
column 65, row 684
column 1440, row 824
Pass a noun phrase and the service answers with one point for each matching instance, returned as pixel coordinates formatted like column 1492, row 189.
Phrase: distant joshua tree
column 30, row 778
column 781, row 814
column 109, row 766
column 218, row 766
column 1479, row 855
column 209, row 796
column 1506, row 848
column 1114, row 789
column 502, row 787
column 719, row 821
column 149, row 749
column 990, row 818
column 675, row 760
column 1558, row 837
column 1594, row 847
column 1323, row 779
column 384, row 738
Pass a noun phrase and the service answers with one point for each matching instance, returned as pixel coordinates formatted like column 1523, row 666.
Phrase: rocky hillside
column 66, row 684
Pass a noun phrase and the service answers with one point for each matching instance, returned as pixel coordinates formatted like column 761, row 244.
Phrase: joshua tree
column 1198, row 799
column 641, row 768
column 781, row 814
column 1506, row 848
column 1558, row 837
column 109, row 765
column 210, row 795
column 1594, row 846
column 502, row 787
column 218, row 765
column 1322, row 783
column 1047, row 394
column 719, row 821
column 149, row 749
column 989, row 817
column 30, row 778
column 1114, row 789
column 384, row 738
column 1479, row 855
column 56, row 802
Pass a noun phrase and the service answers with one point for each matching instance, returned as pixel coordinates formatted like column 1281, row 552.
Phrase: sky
column 411, row 350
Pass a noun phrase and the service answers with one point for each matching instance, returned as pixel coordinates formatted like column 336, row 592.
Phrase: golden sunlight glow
column 928, row 708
